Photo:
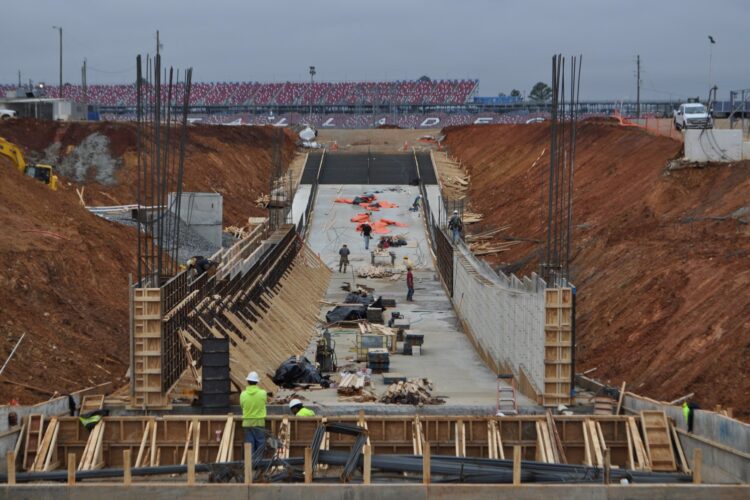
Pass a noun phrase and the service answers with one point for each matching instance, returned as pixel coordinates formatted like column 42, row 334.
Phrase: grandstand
column 417, row 92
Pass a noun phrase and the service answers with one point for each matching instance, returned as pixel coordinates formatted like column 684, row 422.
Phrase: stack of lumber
column 377, row 272
column 351, row 384
column 471, row 217
column 485, row 235
column 453, row 178
column 415, row 391
column 486, row 248
column 352, row 388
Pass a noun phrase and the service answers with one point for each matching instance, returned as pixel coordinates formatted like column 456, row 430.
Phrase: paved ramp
column 448, row 358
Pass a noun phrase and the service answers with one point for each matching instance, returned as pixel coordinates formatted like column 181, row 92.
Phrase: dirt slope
column 65, row 273
column 660, row 257
column 64, row 283
column 233, row 161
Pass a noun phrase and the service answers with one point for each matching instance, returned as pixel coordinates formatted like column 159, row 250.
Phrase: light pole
column 312, row 75
column 711, row 43
column 60, row 91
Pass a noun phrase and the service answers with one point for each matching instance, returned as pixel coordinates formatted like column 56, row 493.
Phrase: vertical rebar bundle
column 564, row 119
column 161, row 137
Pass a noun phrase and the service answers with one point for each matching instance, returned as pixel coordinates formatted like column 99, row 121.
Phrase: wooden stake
column 308, row 465
column 127, row 477
column 367, row 465
column 248, row 463
column 426, row 466
column 516, row 465
column 697, row 459
column 607, row 466
column 71, row 469
column 191, row 469
column 10, row 458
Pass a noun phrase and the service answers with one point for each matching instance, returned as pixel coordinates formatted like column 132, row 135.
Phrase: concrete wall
column 203, row 213
column 374, row 492
column 505, row 315
column 725, row 442
column 713, row 145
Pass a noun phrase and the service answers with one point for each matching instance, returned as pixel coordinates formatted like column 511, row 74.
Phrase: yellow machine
column 38, row 171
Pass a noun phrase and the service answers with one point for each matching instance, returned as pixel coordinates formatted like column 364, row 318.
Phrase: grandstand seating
column 289, row 93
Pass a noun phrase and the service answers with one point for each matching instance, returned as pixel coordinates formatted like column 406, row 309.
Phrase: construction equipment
column 38, row 171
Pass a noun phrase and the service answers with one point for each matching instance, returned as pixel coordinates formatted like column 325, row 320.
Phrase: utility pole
column 84, row 87
column 60, row 91
column 312, row 75
column 638, row 89
column 19, row 78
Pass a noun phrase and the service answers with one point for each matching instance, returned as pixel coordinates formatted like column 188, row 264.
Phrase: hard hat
column 294, row 402
column 253, row 377
column 455, row 211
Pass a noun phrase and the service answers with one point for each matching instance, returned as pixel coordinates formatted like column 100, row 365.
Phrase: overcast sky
column 506, row 44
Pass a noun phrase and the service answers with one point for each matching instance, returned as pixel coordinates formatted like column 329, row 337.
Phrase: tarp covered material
column 381, row 226
column 364, row 217
column 292, row 372
column 356, row 298
column 346, row 313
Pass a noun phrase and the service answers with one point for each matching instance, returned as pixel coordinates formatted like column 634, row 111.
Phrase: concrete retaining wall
column 156, row 491
column 505, row 316
column 203, row 212
column 713, row 145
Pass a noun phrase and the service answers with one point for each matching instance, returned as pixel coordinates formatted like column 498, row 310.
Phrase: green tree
column 515, row 93
column 540, row 92
column 501, row 94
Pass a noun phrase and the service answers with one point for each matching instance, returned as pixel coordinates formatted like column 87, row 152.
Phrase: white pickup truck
column 7, row 113
column 692, row 115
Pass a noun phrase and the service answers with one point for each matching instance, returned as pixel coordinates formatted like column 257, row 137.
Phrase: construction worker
column 297, row 409
column 200, row 264
column 415, row 205
column 409, row 285
column 455, row 225
column 253, row 402
column 343, row 258
column 366, row 233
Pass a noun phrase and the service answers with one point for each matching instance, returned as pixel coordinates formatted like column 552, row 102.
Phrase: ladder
column 33, row 439
column 506, row 395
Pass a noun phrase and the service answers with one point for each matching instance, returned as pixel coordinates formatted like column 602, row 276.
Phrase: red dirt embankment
column 233, row 161
column 660, row 257
column 63, row 282
column 65, row 271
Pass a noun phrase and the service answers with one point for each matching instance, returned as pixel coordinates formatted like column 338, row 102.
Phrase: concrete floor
column 448, row 359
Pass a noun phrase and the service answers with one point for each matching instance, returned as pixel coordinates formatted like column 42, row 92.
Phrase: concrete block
column 746, row 150
column 203, row 212
column 713, row 145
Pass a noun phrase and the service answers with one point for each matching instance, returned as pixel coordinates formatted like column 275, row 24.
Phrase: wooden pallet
column 33, row 439
column 658, row 441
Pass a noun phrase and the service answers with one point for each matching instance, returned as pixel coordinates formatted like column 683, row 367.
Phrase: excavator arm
column 40, row 172
column 14, row 153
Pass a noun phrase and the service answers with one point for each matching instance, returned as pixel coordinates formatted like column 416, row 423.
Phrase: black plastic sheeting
column 310, row 172
column 293, row 372
column 354, row 312
column 373, row 168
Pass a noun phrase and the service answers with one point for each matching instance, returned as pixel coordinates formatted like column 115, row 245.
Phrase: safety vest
column 253, row 402
column 305, row 412
column 90, row 422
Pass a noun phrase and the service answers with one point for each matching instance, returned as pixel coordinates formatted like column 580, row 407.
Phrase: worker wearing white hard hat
column 456, row 225
column 253, row 402
column 295, row 405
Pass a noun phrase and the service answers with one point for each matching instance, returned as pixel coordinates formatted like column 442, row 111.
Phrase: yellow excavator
column 38, row 171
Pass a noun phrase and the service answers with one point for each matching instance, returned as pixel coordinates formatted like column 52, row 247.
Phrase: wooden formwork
column 176, row 436
column 147, row 349
column 558, row 346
